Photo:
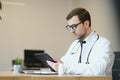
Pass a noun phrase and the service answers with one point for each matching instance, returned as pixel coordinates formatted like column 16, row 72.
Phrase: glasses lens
column 68, row 27
column 72, row 27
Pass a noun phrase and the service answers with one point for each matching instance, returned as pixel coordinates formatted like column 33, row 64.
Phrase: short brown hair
column 82, row 14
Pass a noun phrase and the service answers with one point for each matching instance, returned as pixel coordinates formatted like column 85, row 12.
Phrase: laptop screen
column 30, row 61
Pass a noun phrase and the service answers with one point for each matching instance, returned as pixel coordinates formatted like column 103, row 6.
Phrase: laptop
column 39, row 72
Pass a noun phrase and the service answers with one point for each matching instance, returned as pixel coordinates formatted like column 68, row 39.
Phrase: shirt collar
column 89, row 37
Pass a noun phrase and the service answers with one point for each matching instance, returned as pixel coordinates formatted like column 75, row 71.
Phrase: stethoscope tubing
column 87, row 62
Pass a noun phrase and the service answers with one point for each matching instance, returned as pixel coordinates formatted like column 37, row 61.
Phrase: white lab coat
column 100, row 60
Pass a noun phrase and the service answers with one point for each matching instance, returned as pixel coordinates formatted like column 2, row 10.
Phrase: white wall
column 40, row 24
column 33, row 24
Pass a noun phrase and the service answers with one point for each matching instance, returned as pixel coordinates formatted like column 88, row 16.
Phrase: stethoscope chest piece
column 87, row 62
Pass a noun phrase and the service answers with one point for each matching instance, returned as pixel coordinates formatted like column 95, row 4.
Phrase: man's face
column 80, row 31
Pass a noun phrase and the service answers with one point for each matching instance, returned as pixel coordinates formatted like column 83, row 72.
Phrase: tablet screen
column 43, row 57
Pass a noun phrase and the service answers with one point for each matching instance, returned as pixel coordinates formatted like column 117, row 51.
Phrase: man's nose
column 72, row 31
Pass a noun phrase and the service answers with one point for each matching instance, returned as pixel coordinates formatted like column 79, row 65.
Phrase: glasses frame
column 72, row 27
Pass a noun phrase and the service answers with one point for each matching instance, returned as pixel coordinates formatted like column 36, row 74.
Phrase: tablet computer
column 43, row 57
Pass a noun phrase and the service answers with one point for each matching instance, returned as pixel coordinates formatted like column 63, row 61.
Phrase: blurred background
column 40, row 25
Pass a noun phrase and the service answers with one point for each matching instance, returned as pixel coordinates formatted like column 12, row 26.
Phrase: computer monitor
column 30, row 61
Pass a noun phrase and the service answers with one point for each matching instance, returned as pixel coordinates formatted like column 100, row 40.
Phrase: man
column 89, row 54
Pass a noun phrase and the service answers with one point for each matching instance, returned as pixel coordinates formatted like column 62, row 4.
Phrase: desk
column 8, row 75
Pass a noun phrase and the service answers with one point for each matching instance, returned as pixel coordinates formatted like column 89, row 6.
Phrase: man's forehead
column 73, row 20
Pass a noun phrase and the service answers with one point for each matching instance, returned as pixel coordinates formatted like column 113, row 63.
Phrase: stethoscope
column 87, row 62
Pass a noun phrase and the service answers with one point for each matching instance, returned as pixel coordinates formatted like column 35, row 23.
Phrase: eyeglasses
column 72, row 27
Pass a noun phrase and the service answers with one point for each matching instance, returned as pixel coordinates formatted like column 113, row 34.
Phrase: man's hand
column 54, row 65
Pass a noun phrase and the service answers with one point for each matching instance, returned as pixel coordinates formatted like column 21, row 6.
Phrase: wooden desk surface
column 8, row 75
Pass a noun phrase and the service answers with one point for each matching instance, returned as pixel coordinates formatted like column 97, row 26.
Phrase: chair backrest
column 116, row 66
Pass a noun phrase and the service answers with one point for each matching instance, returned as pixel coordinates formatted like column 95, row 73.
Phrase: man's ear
column 86, row 23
